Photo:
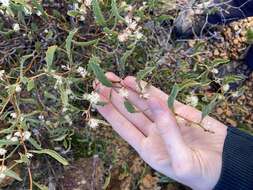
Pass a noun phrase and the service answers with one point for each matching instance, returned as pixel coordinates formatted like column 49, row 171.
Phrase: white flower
column 128, row 19
column 2, row 151
column 88, row 3
column 38, row 13
column 82, row 71
column 28, row 11
column 8, row 137
column 14, row 139
column 94, row 97
column 82, row 18
column 64, row 109
column 122, row 37
column 226, row 87
column 192, row 100
column 75, row 6
column 93, row 123
column 29, row 155
column 68, row 119
column 18, row 88
column 27, row 135
column 2, row 74
column 138, row 35
column 215, row 71
column 2, row 169
column 132, row 25
column 16, row 27
column 13, row 115
column 17, row 134
column 46, row 31
column 5, row 2
column 41, row 117
column 123, row 92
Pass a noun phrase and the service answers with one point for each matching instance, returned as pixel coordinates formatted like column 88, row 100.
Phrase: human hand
column 169, row 144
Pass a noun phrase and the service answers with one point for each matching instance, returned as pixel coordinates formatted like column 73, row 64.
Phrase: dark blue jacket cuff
column 237, row 162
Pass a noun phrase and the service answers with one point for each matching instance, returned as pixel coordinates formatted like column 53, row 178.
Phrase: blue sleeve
column 237, row 162
column 231, row 11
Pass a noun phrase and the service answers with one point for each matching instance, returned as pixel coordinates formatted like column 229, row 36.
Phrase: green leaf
column 84, row 44
column 50, row 56
column 30, row 85
column 143, row 73
column 232, row 78
column 53, row 154
column 68, row 44
column 187, row 84
column 22, row 61
column 219, row 61
column 208, row 108
column 73, row 13
column 41, row 187
column 100, row 20
column 129, row 106
column 34, row 143
column 99, row 73
column 249, row 35
column 115, row 11
column 12, row 174
column 173, row 95
column 4, row 142
column 125, row 56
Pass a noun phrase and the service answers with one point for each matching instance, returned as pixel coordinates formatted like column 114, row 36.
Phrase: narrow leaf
column 208, row 108
column 84, row 44
column 99, row 73
column 68, row 44
column 41, row 187
column 34, row 143
column 50, row 56
column 12, row 174
column 129, row 106
column 53, row 154
column 173, row 96
column 143, row 73
column 115, row 11
column 100, row 20
column 30, row 85
column 22, row 61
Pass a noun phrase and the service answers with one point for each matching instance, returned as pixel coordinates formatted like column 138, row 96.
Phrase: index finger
column 185, row 111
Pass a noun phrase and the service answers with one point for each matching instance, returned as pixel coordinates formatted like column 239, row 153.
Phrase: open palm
column 171, row 145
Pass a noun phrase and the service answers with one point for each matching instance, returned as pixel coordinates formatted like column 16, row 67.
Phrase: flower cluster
column 93, row 98
column 24, row 135
column 16, row 27
column 132, row 29
column 2, row 170
column 2, row 151
column 192, row 100
column 81, row 7
column 82, row 71
column 93, row 123
column 2, row 74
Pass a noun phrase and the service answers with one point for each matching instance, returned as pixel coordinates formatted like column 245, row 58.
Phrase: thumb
column 168, row 128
